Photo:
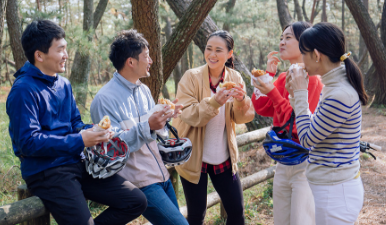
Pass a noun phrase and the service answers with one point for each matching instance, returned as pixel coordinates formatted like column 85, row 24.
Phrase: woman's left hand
column 238, row 92
column 299, row 79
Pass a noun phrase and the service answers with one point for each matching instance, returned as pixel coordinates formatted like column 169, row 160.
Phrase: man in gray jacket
column 127, row 102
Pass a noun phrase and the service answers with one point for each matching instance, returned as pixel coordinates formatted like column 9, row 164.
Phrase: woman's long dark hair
column 229, row 42
column 298, row 28
column 329, row 39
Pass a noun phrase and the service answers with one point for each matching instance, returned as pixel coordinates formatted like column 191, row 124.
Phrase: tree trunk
column 3, row 6
column 38, row 5
column 80, row 71
column 208, row 26
column 228, row 10
column 324, row 13
column 304, row 11
column 298, row 10
column 343, row 16
column 284, row 15
column 364, row 59
column 374, row 45
column 188, row 26
column 14, row 29
column 145, row 17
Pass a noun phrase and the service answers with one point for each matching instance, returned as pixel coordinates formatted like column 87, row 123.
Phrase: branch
column 184, row 33
column 100, row 9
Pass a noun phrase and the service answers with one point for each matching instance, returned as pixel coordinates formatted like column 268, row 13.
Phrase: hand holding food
column 260, row 76
column 165, row 101
column 222, row 96
column 258, row 73
column 238, row 92
column 105, row 123
column 228, row 85
column 299, row 79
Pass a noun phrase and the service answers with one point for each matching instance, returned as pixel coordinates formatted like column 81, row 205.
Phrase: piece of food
column 228, row 85
column 301, row 65
column 105, row 123
column 258, row 73
column 167, row 102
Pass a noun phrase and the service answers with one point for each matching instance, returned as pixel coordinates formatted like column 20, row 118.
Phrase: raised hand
column 91, row 138
column 272, row 62
column 222, row 96
column 158, row 119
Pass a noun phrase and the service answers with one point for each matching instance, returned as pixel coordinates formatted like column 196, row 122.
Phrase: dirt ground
column 372, row 171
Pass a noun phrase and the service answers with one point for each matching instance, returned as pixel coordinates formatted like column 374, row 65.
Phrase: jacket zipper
column 139, row 120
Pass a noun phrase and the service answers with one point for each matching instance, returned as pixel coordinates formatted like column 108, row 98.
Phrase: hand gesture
column 177, row 109
column 238, row 92
column 91, row 138
column 222, row 96
column 272, row 62
column 158, row 119
column 264, row 88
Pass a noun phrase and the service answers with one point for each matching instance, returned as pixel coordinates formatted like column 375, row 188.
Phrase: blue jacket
column 44, row 121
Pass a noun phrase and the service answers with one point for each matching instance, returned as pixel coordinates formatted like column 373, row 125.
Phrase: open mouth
column 212, row 61
column 63, row 64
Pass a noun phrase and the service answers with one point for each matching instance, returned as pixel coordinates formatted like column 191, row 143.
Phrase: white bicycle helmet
column 106, row 159
column 174, row 151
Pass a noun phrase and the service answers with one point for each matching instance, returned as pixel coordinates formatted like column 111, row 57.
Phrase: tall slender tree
column 3, row 6
column 284, row 15
column 80, row 71
column 15, row 31
column 374, row 45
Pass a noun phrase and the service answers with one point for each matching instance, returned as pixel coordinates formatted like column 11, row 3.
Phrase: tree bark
column 304, row 11
column 284, row 15
column 80, row 71
column 188, row 26
column 374, row 45
column 298, row 10
column 324, row 12
column 15, row 31
column 99, row 11
column 364, row 60
column 228, row 10
column 208, row 26
column 3, row 6
column 145, row 16
column 343, row 16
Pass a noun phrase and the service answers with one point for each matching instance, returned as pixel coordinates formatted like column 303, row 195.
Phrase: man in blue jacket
column 44, row 127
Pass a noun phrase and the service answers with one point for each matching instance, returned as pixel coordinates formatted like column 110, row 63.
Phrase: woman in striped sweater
column 332, row 133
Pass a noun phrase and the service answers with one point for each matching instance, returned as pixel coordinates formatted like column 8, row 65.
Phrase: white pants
column 338, row 204
column 293, row 203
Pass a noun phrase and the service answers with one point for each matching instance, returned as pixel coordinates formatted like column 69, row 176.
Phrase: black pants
column 63, row 191
column 229, row 190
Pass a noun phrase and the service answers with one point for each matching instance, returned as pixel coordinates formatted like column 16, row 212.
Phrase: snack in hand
column 167, row 102
column 228, row 85
column 105, row 123
column 258, row 73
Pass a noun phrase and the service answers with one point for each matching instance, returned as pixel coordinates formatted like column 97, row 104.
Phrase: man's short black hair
column 38, row 35
column 128, row 43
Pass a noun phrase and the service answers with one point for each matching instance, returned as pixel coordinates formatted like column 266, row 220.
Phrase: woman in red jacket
column 292, row 196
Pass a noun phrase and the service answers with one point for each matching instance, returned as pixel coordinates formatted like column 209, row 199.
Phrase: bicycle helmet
column 174, row 151
column 285, row 151
column 106, row 159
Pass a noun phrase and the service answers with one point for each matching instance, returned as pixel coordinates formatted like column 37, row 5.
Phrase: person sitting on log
column 45, row 126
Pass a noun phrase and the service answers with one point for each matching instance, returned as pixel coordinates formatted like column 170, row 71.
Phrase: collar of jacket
column 335, row 76
column 125, row 82
column 30, row 70
column 205, row 73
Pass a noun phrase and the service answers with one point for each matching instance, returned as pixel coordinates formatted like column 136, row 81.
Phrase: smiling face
column 54, row 61
column 216, row 53
column 289, row 46
column 142, row 65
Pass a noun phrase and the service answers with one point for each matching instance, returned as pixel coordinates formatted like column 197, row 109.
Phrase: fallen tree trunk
column 253, row 136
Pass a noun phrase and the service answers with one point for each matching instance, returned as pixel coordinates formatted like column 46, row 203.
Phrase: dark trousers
column 229, row 190
column 63, row 190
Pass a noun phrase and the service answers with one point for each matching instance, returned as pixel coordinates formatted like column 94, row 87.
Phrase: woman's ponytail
column 355, row 78
column 229, row 63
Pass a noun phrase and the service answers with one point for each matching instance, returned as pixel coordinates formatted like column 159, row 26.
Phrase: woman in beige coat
column 208, row 119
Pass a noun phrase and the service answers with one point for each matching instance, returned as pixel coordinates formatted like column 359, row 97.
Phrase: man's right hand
column 158, row 119
column 91, row 138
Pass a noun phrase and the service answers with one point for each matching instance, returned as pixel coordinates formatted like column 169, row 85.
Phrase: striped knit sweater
column 332, row 133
